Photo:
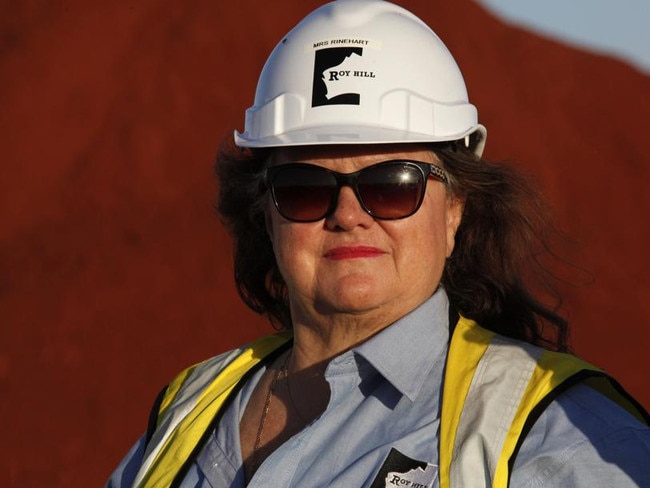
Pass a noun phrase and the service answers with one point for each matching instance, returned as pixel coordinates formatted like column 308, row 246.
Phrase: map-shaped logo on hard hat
column 337, row 72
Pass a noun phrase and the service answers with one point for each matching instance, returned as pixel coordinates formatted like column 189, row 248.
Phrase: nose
column 348, row 213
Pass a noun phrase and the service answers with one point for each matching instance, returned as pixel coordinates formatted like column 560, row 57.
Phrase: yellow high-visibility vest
column 494, row 388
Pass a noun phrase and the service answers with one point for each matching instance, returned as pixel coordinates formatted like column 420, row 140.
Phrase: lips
column 353, row 252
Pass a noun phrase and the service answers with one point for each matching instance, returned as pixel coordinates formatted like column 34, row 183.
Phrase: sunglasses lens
column 302, row 193
column 391, row 191
column 306, row 193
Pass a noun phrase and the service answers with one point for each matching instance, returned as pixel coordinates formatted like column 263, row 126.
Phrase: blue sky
column 620, row 28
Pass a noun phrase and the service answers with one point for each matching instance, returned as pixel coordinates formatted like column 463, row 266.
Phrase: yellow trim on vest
column 187, row 434
column 468, row 344
column 173, row 388
column 553, row 369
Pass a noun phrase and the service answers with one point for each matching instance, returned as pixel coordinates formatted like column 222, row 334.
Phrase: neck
column 320, row 337
column 282, row 404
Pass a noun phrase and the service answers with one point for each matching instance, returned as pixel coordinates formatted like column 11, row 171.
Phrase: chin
column 350, row 300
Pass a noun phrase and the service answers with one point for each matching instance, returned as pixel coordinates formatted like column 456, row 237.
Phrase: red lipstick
column 353, row 252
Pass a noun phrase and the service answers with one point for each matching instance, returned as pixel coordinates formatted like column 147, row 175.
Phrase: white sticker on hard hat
column 344, row 42
column 341, row 79
column 339, row 73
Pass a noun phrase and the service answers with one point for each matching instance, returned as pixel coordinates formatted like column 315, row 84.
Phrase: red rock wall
column 114, row 272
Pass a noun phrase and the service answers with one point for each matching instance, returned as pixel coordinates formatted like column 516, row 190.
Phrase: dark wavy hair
column 493, row 276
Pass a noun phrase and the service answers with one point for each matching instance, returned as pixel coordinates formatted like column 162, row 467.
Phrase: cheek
column 421, row 243
column 281, row 239
column 431, row 237
column 292, row 245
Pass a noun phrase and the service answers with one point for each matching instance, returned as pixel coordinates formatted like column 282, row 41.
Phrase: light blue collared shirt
column 385, row 395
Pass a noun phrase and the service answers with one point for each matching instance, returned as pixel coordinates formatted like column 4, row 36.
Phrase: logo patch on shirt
column 400, row 470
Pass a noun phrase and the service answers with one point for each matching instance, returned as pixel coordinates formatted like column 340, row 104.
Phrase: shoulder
column 584, row 439
column 216, row 376
column 232, row 364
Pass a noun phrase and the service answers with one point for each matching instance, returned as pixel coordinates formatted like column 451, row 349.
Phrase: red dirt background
column 114, row 271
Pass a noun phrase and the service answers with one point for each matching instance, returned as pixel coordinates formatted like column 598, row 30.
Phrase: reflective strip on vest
column 494, row 384
column 191, row 403
column 491, row 386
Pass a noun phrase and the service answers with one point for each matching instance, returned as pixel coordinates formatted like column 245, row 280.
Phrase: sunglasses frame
column 351, row 180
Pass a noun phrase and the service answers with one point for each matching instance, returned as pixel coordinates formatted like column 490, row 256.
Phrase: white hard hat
column 360, row 72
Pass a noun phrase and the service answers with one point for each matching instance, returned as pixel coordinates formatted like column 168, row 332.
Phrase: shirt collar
column 406, row 352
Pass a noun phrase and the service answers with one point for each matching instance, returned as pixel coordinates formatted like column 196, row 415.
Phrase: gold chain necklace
column 265, row 412
column 293, row 403
column 282, row 372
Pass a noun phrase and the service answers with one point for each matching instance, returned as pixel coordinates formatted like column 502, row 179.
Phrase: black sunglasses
column 389, row 190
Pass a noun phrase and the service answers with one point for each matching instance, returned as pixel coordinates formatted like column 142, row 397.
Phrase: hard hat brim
column 341, row 134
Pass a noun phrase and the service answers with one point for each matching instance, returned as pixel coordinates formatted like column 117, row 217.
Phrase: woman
column 367, row 226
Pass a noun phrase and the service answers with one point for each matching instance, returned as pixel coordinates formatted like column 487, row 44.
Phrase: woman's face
column 350, row 264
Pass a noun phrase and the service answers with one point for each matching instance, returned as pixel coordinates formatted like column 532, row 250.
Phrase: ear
column 455, row 207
